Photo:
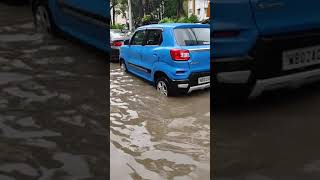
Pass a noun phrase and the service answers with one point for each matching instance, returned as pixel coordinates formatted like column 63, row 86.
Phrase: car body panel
column 199, row 57
column 264, row 31
column 254, row 18
column 85, row 20
column 230, row 15
column 281, row 16
column 149, row 56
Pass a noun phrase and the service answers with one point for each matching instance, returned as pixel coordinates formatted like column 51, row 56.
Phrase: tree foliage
column 118, row 7
column 191, row 19
column 174, row 8
column 149, row 10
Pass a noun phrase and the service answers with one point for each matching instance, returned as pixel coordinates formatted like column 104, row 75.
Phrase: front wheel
column 123, row 66
column 42, row 20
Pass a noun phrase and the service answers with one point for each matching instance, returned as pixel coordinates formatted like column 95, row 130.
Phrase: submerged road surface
column 52, row 104
column 275, row 137
column 154, row 137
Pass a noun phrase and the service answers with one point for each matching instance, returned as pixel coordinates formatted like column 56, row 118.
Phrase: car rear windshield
column 192, row 36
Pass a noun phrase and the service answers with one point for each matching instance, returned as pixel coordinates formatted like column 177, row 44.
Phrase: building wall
column 200, row 10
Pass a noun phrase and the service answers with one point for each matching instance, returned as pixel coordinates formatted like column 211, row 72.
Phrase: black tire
column 42, row 19
column 123, row 66
column 164, row 86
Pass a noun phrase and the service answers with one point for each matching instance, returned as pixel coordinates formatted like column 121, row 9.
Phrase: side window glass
column 138, row 38
column 154, row 37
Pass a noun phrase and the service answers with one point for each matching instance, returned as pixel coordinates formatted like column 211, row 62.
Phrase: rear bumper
column 243, row 73
column 292, row 80
column 199, row 87
column 190, row 84
column 262, row 69
column 235, row 70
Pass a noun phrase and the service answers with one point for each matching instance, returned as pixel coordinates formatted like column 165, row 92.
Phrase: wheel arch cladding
column 158, row 74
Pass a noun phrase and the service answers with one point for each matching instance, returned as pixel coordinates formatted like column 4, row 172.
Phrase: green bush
column 167, row 20
column 118, row 26
column 147, row 18
column 191, row 19
column 182, row 20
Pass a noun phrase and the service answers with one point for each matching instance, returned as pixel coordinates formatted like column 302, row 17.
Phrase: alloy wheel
column 162, row 88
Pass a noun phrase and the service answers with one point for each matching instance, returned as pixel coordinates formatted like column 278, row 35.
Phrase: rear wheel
column 164, row 87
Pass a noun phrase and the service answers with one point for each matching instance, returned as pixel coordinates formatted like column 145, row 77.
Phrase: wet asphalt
column 274, row 137
column 155, row 137
column 53, row 104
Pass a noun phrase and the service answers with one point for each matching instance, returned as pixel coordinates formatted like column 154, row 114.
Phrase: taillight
column 117, row 43
column 225, row 34
column 180, row 54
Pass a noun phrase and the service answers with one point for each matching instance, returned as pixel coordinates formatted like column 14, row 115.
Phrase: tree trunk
column 146, row 6
column 114, row 15
column 180, row 10
column 141, row 8
column 113, row 12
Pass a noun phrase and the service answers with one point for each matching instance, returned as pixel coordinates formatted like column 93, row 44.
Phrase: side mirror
column 126, row 42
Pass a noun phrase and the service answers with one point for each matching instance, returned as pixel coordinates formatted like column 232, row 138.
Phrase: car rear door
column 149, row 50
column 87, row 20
column 280, row 16
column 197, row 41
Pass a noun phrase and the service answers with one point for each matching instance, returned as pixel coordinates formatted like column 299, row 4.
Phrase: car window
column 192, row 36
column 154, row 37
column 138, row 38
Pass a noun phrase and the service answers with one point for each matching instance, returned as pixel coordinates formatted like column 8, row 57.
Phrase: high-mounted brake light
column 225, row 34
column 180, row 54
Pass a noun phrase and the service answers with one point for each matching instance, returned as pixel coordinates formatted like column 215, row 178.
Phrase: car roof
column 174, row 25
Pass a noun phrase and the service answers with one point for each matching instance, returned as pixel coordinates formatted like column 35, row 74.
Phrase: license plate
column 299, row 58
column 203, row 80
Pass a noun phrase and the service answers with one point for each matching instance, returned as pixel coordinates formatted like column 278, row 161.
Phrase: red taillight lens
column 225, row 34
column 117, row 43
column 180, row 54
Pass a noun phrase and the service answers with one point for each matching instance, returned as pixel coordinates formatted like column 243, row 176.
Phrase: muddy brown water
column 274, row 137
column 53, row 114
column 52, row 104
column 155, row 137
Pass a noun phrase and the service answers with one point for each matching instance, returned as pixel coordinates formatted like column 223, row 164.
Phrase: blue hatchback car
column 82, row 19
column 261, row 45
column 174, row 57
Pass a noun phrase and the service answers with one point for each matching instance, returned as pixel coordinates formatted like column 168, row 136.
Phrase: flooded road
column 154, row 137
column 275, row 137
column 52, row 104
